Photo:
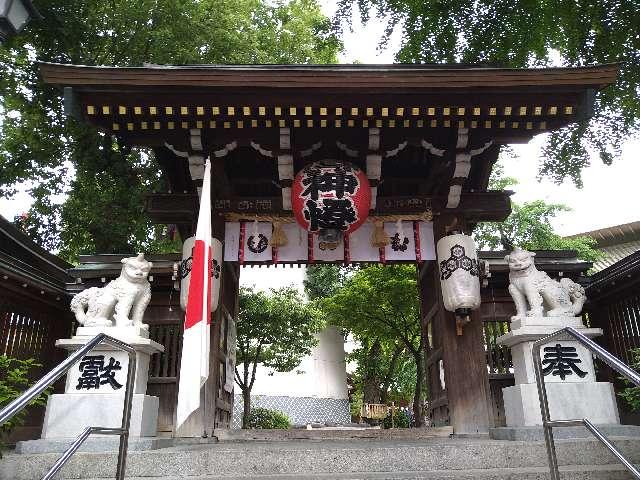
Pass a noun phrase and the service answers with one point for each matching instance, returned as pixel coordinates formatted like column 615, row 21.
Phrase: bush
column 631, row 394
column 263, row 418
column 400, row 419
column 355, row 406
column 14, row 379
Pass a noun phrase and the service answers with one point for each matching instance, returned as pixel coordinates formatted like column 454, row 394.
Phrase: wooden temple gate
column 426, row 136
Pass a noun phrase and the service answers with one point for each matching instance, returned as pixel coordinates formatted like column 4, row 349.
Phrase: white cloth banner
column 296, row 248
column 427, row 244
column 403, row 245
column 360, row 245
column 360, row 249
column 257, row 241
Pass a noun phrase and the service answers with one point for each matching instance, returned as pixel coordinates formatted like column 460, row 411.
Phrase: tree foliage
column 525, row 34
column 88, row 187
column 379, row 306
column 529, row 227
column 396, row 418
column 631, row 393
column 323, row 281
column 276, row 330
column 14, row 380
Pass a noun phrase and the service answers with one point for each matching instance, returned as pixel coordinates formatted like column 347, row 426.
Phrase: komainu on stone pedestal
column 121, row 302
column 544, row 296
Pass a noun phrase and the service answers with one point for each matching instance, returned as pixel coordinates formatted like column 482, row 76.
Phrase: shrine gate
column 426, row 137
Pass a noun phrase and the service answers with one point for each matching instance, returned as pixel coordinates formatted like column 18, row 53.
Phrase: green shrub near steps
column 263, row 418
column 14, row 380
column 631, row 394
column 400, row 419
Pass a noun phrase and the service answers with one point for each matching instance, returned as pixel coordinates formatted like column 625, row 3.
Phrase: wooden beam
column 285, row 167
column 463, row 158
column 476, row 207
column 374, row 164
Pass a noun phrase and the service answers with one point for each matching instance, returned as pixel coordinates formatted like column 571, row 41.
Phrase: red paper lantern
column 331, row 195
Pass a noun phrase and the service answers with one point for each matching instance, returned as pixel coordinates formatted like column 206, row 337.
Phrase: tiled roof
column 614, row 253
column 616, row 242
column 615, row 235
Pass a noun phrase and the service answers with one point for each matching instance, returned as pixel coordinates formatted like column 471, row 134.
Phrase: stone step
column 586, row 472
column 354, row 459
column 329, row 433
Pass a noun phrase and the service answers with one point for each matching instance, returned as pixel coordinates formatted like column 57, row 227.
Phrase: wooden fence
column 28, row 330
column 165, row 327
column 498, row 356
column 23, row 335
column 614, row 306
column 620, row 319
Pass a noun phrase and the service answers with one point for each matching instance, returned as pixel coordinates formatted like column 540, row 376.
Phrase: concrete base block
column 536, row 434
column 70, row 413
column 567, row 401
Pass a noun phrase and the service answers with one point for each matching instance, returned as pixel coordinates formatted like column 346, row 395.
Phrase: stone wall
column 300, row 410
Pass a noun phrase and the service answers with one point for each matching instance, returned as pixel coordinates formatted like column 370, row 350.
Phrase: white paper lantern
column 459, row 273
column 185, row 271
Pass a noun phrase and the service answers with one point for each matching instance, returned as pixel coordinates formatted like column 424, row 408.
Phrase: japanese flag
column 194, row 369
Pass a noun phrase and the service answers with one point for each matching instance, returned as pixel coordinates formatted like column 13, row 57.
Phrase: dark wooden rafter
column 370, row 78
column 514, row 102
column 424, row 178
column 374, row 164
column 285, row 168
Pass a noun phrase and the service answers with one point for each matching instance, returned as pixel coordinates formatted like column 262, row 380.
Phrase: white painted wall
column 322, row 374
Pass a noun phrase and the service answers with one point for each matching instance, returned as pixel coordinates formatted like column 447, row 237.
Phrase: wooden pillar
column 429, row 307
column 465, row 366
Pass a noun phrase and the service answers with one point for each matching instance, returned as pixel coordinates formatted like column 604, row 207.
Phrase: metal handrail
column 548, row 424
column 41, row 385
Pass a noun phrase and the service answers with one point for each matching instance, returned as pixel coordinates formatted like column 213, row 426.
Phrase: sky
column 609, row 195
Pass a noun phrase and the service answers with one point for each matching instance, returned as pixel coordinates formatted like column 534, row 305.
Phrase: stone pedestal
column 572, row 389
column 95, row 386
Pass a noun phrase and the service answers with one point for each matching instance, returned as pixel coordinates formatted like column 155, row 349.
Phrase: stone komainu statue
column 544, row 296
column 121, row 302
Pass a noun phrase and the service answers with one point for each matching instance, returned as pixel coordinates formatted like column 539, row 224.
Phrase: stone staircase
column 352, row 459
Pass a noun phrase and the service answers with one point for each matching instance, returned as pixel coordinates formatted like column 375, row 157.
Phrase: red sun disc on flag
column 331, row 194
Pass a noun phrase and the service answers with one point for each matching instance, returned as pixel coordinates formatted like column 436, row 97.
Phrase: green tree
column 529, row 227
column 101, row 179
column 323, row 281
column 379, row 361
column 275, row 330
column 525, row 34
column 379, row 305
